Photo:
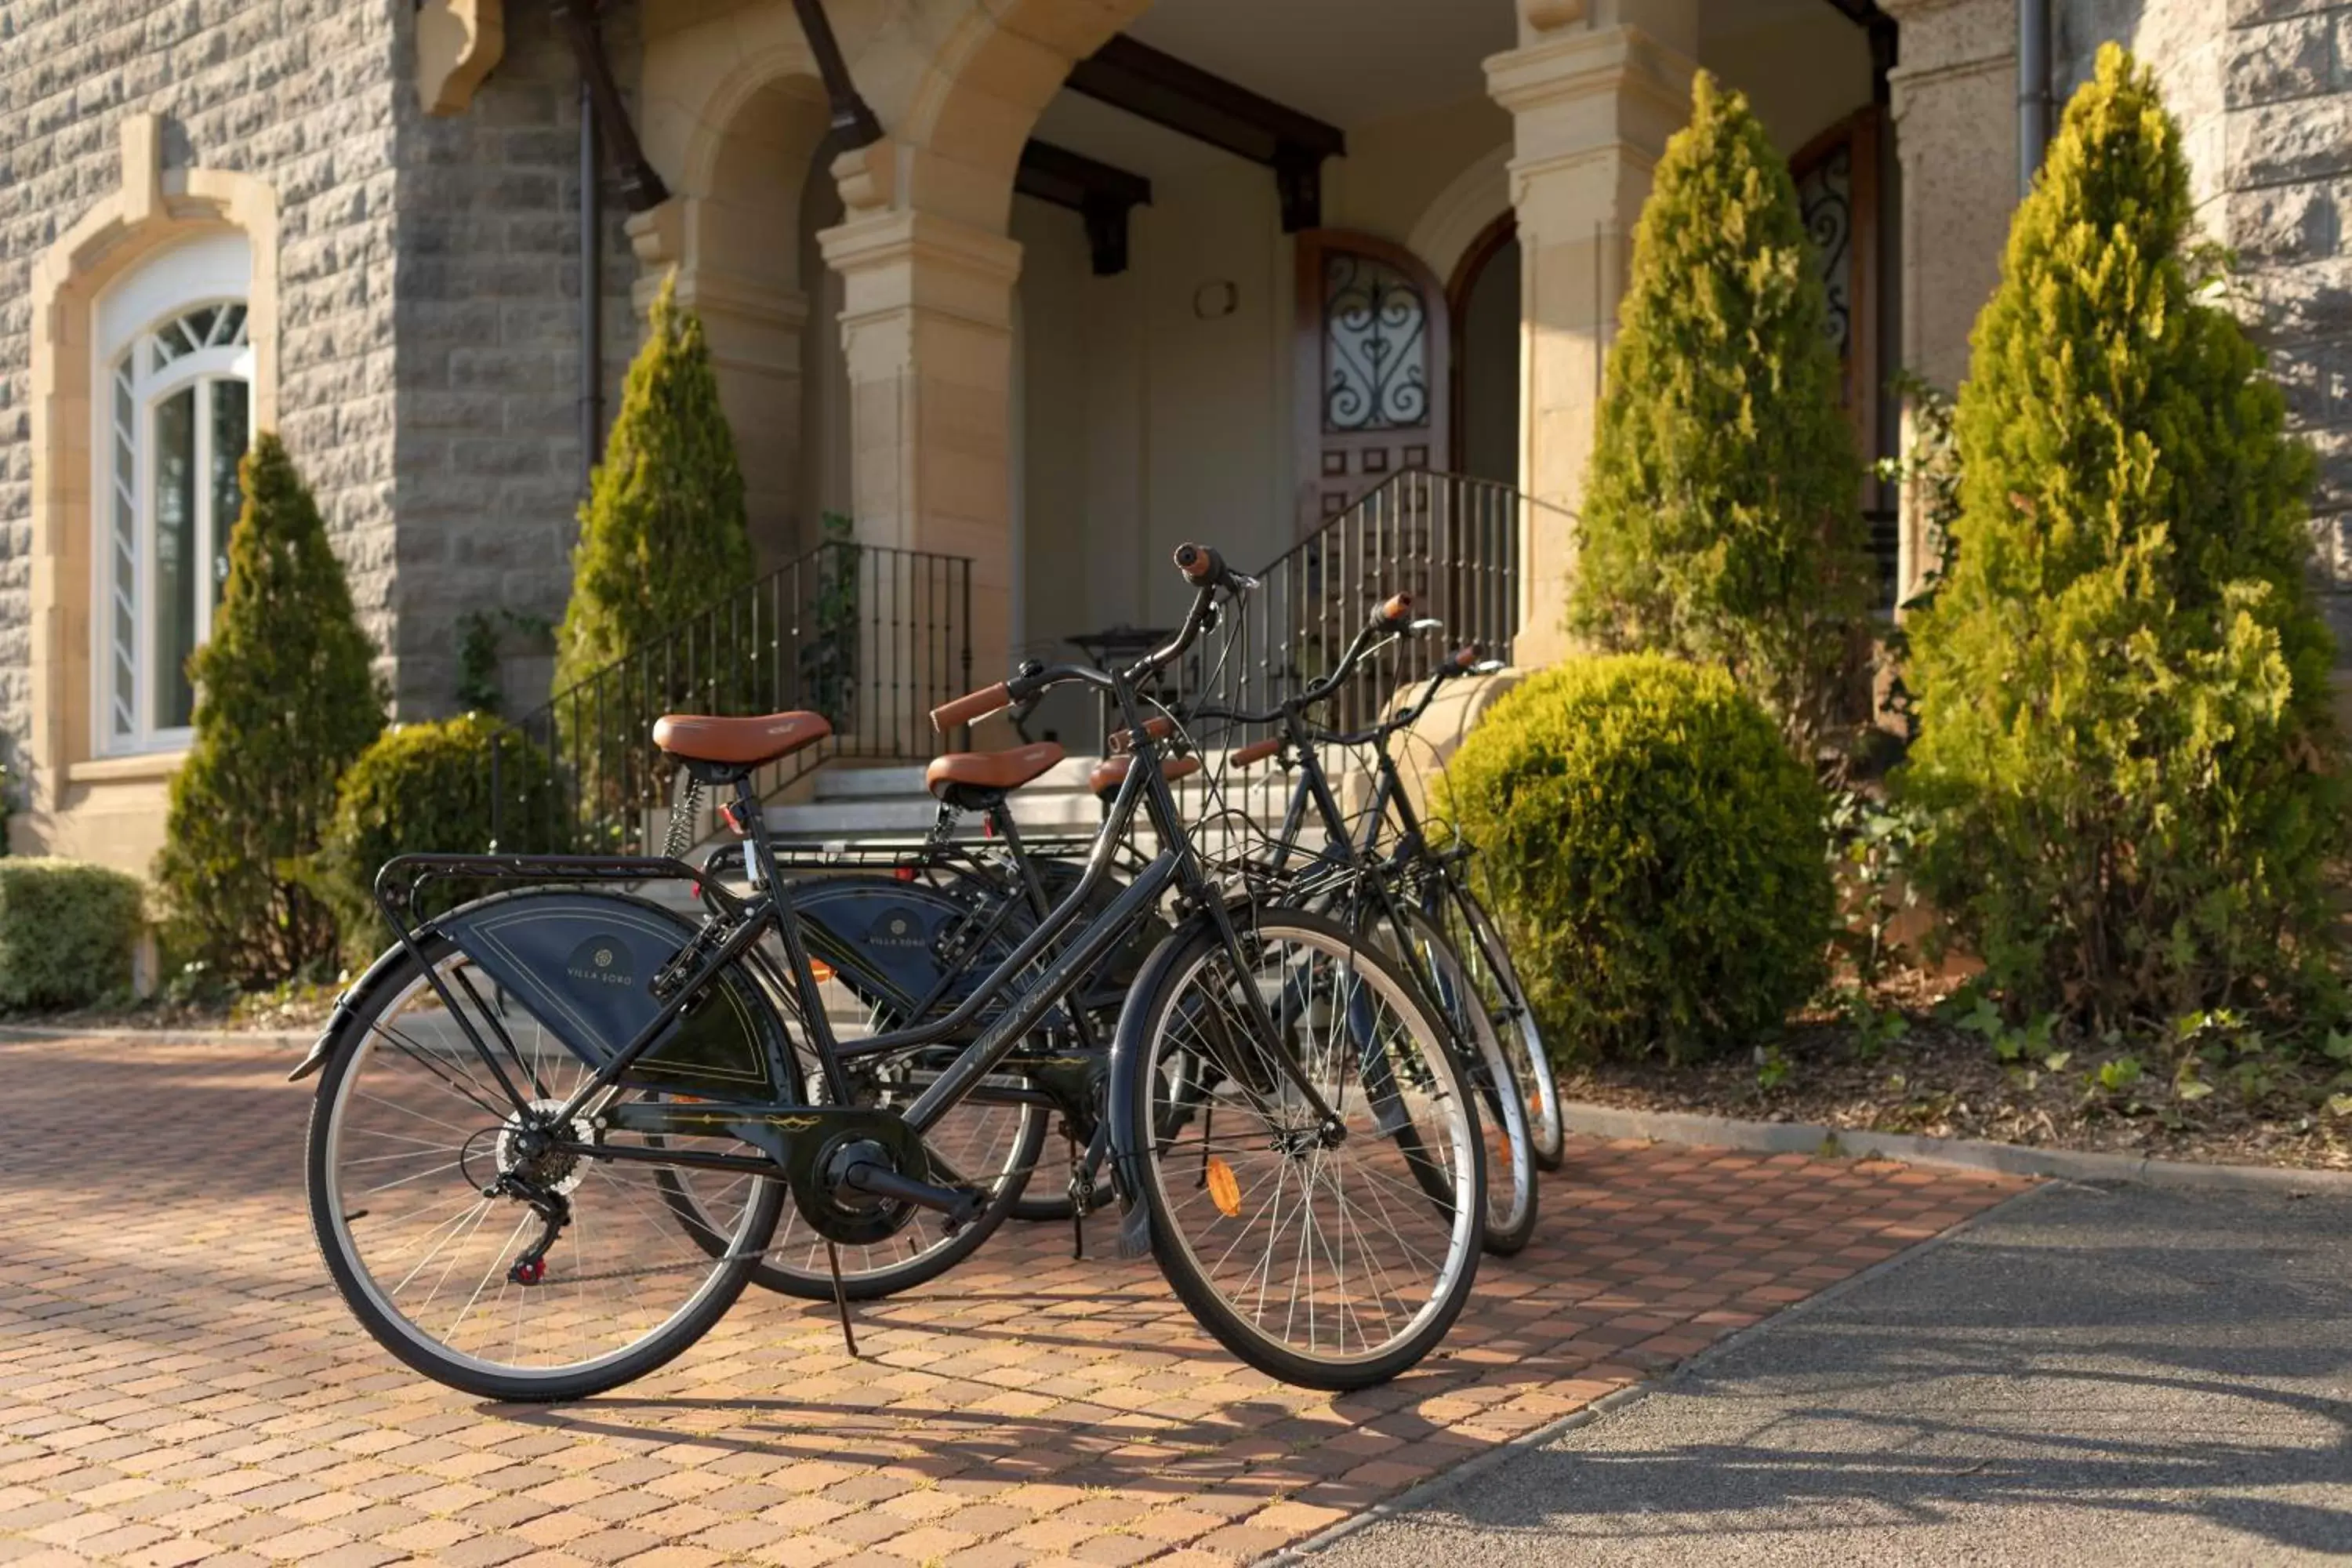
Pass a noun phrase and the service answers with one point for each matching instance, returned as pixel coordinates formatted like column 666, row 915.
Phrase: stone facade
column 489, row 464
column 2286, row 83
column 2263, row 90
column 426, row 333
column 427, row 320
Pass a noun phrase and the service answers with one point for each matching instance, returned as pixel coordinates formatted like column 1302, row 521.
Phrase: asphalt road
column 2092, row 1377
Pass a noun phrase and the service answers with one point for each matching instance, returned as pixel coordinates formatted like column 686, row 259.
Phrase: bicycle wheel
column 1510, row 1217
column 1332, row 1263
column 411, row 1125
column 1479, row 941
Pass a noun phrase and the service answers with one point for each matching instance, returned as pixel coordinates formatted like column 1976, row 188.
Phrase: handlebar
column 972, row 705
column 1201, row 566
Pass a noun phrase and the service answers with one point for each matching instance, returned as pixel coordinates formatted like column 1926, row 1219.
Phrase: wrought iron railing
column 872, row 637
column 1451, row 542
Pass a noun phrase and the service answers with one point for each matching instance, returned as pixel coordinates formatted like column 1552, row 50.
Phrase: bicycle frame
column 770, row 908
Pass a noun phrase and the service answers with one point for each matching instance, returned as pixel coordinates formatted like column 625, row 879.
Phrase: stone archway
column 925, row 270
column 731, row 232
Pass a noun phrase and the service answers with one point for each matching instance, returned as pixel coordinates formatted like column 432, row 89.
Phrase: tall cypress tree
column 1722, row 508
column 662, row 533
column 285, row 700
column 2125, row 738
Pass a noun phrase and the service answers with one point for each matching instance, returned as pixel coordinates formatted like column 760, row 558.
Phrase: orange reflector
column 1225, row 1189
column 823, row 971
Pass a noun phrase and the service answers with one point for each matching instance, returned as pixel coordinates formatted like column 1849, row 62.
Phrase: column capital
column 913, row 260
column 1572, row 66
column 1945, row 36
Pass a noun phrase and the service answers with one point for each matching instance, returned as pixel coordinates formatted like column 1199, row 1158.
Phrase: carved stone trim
column 458, row 43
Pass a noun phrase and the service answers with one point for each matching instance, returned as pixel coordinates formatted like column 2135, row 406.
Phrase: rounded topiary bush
column 1653, row 851
column 424, row 789
column 68, row 933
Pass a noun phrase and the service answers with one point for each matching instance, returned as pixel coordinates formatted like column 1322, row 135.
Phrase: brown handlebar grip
column 1157, row 728
column 971, row 706
column 1465, row 657
column 1397, row 609
column 1253, row 753
column 1197, row 561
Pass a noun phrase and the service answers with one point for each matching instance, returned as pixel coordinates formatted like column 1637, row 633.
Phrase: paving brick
column 282, row 1431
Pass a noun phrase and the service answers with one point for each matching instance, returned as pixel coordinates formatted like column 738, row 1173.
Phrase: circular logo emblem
column 600, row 961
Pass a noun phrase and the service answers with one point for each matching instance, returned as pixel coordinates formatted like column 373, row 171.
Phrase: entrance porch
column 1114, row 275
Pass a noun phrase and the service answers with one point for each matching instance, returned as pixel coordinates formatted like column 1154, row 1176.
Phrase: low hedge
column 419, row 789
column 1657, row 857
column 68, row 933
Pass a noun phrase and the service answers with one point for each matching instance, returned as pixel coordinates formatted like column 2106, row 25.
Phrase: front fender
column 1128, row 1069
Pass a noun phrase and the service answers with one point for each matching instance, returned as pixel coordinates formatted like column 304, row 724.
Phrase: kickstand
column 1077, row 1199
column 841, row 1297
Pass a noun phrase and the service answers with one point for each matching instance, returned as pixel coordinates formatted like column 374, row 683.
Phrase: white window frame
column 214, row 271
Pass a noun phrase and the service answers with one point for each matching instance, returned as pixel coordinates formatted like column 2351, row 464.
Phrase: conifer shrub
column 1656, row 854
column 420, row 789
column 664, row 532
column 285, row 700
column 2133, row 781
column 1722, row 514
column 68, row 933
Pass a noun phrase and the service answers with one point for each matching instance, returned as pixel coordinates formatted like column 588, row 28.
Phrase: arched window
column 175, row 416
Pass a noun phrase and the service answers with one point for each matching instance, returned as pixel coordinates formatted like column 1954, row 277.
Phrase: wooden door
column 1837, row 177
column 1374, row 356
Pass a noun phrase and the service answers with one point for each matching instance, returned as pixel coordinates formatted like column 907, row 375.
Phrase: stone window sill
column 144, row 766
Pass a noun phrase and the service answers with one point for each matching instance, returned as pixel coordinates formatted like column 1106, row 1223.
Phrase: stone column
column 927, row 330
column 1955, row 108
column 1596, row 87
column 753, row 322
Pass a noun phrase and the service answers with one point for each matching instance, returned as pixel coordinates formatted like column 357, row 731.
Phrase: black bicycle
column 511, row 1097
column 1388, row 898
column 1394, row 840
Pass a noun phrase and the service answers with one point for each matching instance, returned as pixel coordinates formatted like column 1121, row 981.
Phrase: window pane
column 1375, row 347
column 173, row 603
column 122, row 567
column 232, row 418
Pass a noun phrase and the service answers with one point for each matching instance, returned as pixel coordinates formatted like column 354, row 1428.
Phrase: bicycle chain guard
column 806, row 1144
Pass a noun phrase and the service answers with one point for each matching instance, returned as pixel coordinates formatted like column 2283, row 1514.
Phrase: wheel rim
column 418, row 1125
column 1335, row 1254
column 1503, row 1117
column 1471, row 931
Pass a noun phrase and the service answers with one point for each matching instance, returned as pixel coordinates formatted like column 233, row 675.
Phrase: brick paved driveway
column 179, row 1384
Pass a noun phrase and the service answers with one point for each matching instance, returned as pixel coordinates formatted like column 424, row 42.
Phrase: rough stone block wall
column 299, row 95
column 488, row 324
column 2263, row 92
column 2287, row 80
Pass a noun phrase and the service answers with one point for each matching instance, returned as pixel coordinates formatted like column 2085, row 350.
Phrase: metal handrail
column 870, row 636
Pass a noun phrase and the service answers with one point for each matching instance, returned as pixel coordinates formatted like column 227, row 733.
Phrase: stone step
column 835, row 783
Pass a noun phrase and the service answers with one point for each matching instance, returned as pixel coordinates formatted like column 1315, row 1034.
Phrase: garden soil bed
column 1938, row 1079
column 287, row 1007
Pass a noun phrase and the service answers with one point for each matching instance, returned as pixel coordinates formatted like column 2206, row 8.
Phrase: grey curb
column 164, row 1036
column 1944, row 1153
column 1437, row 1486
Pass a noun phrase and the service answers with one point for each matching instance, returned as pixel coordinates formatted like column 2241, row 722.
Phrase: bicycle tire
column 1155, row 1158
column 1511, row 1190
column 334, row 1213
column 1490, row 954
